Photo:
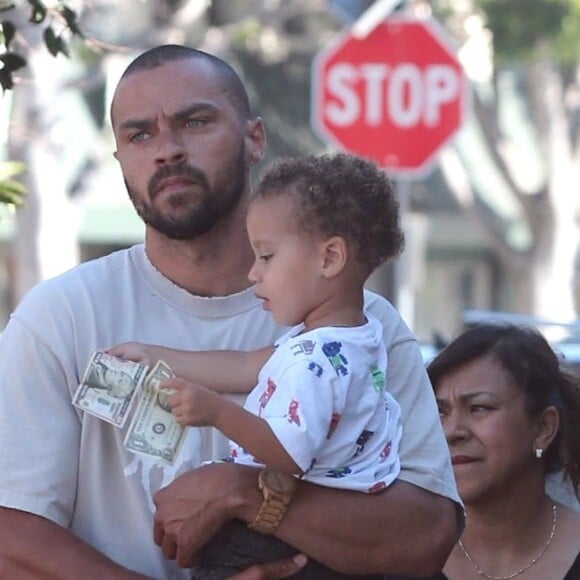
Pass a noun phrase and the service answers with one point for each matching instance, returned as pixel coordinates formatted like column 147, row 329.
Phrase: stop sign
column 395, row 96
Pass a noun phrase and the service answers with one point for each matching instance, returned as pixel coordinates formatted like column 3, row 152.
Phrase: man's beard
column 213, row 203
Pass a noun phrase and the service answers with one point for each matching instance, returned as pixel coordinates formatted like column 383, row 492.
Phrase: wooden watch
column 278, row 489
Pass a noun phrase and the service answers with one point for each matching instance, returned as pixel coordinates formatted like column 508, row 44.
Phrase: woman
column 511, row 416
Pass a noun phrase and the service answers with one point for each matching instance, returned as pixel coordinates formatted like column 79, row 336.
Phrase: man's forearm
column 403, row 530
column 33, row 548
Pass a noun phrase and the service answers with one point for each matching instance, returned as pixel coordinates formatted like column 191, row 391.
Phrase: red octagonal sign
column 396, row 96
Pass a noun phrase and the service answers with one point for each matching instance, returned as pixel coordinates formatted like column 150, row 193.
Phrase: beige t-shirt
column 72, row 468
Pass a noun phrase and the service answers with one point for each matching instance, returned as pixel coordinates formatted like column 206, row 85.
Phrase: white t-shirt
column 72, row 468
column 322, row 392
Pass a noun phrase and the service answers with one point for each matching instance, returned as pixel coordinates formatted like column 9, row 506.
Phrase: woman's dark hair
column 535, row 368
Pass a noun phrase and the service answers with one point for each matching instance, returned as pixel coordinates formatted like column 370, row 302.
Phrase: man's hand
column 279, row 569
column 195, row 505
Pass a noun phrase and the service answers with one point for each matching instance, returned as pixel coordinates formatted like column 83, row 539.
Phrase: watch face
column 279, row 482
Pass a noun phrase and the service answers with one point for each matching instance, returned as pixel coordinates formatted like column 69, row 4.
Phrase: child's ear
column 335, row 254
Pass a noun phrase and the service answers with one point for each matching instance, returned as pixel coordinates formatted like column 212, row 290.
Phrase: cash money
column 108, row 387
column 153, row 430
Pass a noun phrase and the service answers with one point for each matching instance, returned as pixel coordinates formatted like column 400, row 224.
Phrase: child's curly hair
column 341, row 195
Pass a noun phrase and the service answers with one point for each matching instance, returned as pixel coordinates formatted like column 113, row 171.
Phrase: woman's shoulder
column 574, row 572
column 569, row 545
column 439, row 576
column 569, row 522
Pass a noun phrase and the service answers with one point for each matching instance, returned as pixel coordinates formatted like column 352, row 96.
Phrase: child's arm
column 197, row 406
column 226, row 371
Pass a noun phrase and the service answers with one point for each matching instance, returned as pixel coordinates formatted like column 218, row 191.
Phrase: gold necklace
column 527, row 566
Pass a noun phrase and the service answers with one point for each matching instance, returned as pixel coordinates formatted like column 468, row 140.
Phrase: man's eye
column 195, row 122
column 479, row 408
column 265, row 257
column 138, row 137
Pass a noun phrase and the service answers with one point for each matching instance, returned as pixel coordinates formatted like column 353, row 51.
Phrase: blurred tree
column 527, row 112
column 35, row 94
column 12, row 191
column 529, row 102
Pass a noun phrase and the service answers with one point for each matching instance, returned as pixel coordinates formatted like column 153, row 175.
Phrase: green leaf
column 12, row 192
column 63, row 46
column 51, row 41
column 11, row 187
column 12, row 61
column 70, row 18
column 8, row 31
column 518, row 26
column 54, row 43
column 38, row 12
column 6, row 79
column 11, row 168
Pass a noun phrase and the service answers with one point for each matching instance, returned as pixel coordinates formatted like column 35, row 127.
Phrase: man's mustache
column 193, row 174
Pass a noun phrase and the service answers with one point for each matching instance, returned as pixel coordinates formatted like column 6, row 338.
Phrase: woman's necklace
column 525, row 567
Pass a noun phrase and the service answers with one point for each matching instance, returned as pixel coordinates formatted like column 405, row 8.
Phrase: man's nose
column 171, row 147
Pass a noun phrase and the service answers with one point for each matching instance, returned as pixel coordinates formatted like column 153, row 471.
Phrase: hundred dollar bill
column 153, row 430
column 108, row 387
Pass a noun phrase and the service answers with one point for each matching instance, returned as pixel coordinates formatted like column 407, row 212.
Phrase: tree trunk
column 46, row 229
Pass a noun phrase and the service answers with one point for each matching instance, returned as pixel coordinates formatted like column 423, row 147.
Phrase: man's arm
column 34, row 548
column 402, row 530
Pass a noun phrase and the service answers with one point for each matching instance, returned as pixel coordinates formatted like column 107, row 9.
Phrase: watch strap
column 273, row 507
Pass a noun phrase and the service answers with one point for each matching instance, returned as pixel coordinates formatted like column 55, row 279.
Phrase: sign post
column 396, row 95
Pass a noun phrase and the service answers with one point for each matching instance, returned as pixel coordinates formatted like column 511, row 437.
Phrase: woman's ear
column 334, row 256
column 547, row 428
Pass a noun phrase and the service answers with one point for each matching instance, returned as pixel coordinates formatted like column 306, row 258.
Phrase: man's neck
column 212, row 265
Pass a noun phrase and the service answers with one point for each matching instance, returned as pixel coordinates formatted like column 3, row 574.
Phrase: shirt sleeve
column 39, row 428
column 424, row 453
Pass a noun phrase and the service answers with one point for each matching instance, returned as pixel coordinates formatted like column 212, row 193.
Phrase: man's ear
column 547, row 428
column 334, row 256
column 255, row 140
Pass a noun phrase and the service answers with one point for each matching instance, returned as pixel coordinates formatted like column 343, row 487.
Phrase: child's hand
column 192, row 405
column 135, row 351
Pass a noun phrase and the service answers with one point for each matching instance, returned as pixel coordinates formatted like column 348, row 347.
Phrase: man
column 75, row 501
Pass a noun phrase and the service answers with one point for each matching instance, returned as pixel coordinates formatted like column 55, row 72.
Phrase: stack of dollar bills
column 109, row 390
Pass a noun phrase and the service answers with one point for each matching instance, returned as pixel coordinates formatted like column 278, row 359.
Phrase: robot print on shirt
column 315, row 368
column 337, row 360
column 303, row 347
column 292, row 414
column 380, row 485
column 266, row 395
column 362, row 441
column 338, row 472
column 378, row 379
column 333, row 423
column 386, row 451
